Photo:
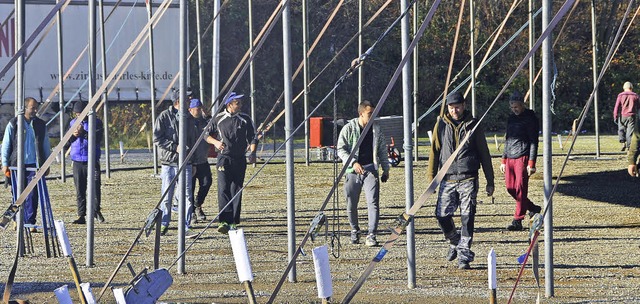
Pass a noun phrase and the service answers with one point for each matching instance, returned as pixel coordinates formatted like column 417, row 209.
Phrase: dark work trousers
column 451, row 196
column 517, row 182
column 626, row 126
column 203, row 176
column 30, row 205
column 230, row 179
column 80, row 174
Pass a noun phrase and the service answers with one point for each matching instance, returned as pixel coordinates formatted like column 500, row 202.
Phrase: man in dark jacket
column 79, row 144
column 166, row 136
column 236, row 132
column 36, row 150
column 459, row 187
column 519, row 157
column 199, row 159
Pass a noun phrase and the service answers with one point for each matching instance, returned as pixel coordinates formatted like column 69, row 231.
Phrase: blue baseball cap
column 195, row 103
column 233, row 96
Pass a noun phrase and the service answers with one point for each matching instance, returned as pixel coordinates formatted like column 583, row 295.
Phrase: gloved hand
column 503, row 167
column 385, row 177
column 531, row 170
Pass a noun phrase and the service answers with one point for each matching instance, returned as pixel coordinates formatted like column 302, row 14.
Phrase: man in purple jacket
column 624, row 114
column 79, row 144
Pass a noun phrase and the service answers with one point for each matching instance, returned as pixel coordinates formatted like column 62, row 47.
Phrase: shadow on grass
column 615, row 187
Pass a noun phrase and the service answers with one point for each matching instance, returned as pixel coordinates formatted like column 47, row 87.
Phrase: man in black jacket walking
column 519, row 158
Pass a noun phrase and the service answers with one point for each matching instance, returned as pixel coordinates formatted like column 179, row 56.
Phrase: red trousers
column 517, row 181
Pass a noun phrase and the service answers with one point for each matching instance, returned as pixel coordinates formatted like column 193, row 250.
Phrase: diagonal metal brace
column 316, row 224
column 151, row 219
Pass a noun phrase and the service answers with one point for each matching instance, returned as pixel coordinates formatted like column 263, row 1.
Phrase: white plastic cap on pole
column 88, row 293
column 63, row 238
column 491, row 264
column 323, row 273
column 121, row 149
column 241, row 255
column 62, row 294
column 118, row 293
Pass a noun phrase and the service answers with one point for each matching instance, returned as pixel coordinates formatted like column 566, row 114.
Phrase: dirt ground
column 595, row 247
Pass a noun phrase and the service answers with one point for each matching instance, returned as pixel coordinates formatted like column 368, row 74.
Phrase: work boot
column 371, row 240
column 80, row 221
column 223, row 228
column 163, row 230
column 200, row 214
column 516, row 225
column 624, row 146
column 535, row 209
column 99, row 217
column 463, row 265
column 452, row 254
column 355, row 236
column 193, row 221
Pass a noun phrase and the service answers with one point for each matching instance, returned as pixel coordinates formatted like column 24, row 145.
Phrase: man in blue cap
column 202, row 170
column 236, row 132
column 459, row 186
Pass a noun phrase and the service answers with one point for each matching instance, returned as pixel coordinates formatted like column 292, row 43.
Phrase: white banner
column 41, row 69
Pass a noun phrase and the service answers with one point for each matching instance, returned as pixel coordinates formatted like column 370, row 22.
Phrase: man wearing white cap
column 236, row 132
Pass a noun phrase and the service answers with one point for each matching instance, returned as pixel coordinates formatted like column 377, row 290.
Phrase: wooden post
column 250, row 294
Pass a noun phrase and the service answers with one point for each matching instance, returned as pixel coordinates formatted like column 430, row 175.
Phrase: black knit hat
column 455, row 98
column 78, row 106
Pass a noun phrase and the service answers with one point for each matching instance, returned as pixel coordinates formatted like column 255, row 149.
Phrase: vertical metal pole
column 594, row 46
column 416, row 123
column 184, row 9
column 19, row 109
column 546, row 134
column 215, row 50
column 105, row 97
column 199, row 46
column 153, row 84
column 91, row 164
column 532, row 60
column 288, row 127
column 472, row 50
column 360, row 50
column 407, row 110
column 61, row 92
column 251, row 75
column 305, row 50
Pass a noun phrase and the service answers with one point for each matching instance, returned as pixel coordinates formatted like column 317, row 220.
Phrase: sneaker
column 233, row 227
column 190, row 234
column 163, row 230
column 174, row 208
column 223, row 228
column 624, row 147
column 355, row 236
column 516, row 225
column 452, row 254
column 80, row 221
column 200, row 213
column 535, row 209
column 99, row 217
column 464, row 265
column 193, row 221
column 371, row 240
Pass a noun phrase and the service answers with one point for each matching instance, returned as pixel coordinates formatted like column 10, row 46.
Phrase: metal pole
column 594, row 46
column 199, row 46
column 61, row 92
column 305, row 49
column 91, row 164
column 215, row 50
column 105, row 97
column 407, row 110
column 360, row 51
column 251, row 75
column 19, row 109
column 184, row 9
column 546, row 134
column 416, row 122
column 532, row 60
column 153, row 84
column 472, row 50
column 288, row 127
